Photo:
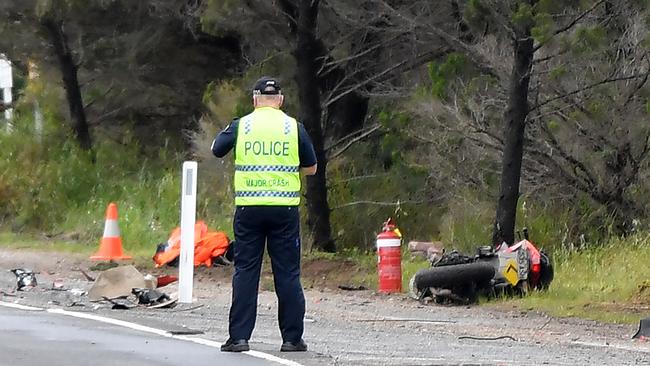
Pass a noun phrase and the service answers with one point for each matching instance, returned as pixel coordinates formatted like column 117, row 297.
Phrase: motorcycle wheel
column 478, row 273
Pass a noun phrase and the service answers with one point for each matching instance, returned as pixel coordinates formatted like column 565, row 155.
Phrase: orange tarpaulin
column 207, row 245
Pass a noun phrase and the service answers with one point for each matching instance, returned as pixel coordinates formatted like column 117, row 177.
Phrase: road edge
column 146, row 329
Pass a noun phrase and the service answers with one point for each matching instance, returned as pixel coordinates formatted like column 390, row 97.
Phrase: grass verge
column 608, row 283
column 141, row 255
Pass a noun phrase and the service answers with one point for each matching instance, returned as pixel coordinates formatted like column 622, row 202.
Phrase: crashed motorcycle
column 504, row 270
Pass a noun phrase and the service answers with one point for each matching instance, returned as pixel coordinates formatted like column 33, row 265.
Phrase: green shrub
column 54, row 187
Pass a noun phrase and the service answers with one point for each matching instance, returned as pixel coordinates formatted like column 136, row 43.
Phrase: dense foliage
column 464, row 119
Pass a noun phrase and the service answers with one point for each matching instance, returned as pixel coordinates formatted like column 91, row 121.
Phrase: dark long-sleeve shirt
column 225, row 141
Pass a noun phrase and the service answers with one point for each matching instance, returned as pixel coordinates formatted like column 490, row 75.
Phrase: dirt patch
column 627, row 308
column 329, row 273
column 316, row 273
column 643, row 293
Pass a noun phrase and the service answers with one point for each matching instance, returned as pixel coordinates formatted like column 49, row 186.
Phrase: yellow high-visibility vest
column 267, row 162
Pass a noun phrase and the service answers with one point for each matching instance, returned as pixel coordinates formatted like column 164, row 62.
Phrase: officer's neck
column 267, row 106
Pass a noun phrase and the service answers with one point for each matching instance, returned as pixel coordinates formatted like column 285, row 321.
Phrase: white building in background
column 6, row 83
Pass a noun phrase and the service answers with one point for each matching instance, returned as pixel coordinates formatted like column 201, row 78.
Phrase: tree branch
column 636, row 88
column 590, row 86
column 360, row 177
column 349, row 144
column 290, row 11
column 108, row 90
column 331, row 65
column 549, row 57
column 401, row 66
column 570, row 25
column 553, row 164
column 453, row 42
column 577, row 165
column 381, row 203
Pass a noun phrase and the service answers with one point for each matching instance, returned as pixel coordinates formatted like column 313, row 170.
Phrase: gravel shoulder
column 352, row 328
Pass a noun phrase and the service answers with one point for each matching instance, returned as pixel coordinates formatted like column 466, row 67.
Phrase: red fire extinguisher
column 389, row 258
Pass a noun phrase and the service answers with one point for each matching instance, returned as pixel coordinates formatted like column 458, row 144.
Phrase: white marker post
column 188, row 218
column 6, row 83
column 33, row 75
column 38, row 122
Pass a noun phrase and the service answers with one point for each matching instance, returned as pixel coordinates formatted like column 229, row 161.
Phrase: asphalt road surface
column 32, row 338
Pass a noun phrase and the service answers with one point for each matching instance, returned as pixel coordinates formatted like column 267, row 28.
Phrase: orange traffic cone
column 110, row 248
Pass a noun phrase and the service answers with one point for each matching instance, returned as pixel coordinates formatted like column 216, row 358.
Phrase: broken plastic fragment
column 149, row 296
column 25, row 279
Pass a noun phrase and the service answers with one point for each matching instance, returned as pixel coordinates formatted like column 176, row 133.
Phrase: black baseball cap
column 267, row 85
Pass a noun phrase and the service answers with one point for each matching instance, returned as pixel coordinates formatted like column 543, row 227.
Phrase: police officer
column 271, row 150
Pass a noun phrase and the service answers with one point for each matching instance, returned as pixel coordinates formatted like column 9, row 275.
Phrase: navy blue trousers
column 279, row 228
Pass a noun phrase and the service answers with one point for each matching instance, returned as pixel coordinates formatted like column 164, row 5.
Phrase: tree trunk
column 307, row 62
column 70, row 81
column 515, row 124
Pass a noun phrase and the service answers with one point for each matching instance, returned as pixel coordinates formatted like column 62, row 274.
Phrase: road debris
column 116, row 282
column 120, row 303
column 150, row 281
column 488, row 338
column 353, row 288
column 77, row 292
column 25, row 279
column 87, row 276
column 148, row 296
column 165, row 304
column 57, row 285
column 163, row 281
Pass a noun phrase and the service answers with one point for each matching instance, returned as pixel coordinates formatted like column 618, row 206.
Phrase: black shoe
column 240, row 345
column 300, row 346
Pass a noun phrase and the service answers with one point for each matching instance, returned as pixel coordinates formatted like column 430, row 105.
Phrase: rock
column 116, row 282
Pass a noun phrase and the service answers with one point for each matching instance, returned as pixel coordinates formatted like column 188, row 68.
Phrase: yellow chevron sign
column 511, row 272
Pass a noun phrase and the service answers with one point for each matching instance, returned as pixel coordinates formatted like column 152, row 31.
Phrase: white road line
column 143, row 328
column 18, row 306
column 272, row 358
column 117, row 322
column 257, row 354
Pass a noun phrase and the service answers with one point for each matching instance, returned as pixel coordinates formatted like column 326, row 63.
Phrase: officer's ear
column 281, row 100
column 254, row 101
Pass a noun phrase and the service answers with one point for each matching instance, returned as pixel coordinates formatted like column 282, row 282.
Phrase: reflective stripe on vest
column 266, row 168
column 267, row 163
column 266, row 194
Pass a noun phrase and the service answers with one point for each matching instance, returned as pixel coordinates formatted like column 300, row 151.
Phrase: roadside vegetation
column 52, row 189
column 607, row 282
column 464, row 120
column 58, row 203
